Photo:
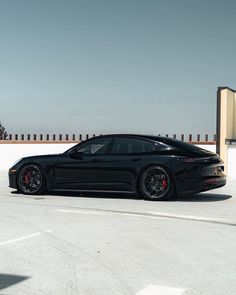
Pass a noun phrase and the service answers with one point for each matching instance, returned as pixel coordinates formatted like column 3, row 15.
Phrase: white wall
column 227, row 124
column 209, row 147
column 231, row 161
column 10, row 153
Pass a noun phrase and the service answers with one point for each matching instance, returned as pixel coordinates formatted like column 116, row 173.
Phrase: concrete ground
column 117, row 245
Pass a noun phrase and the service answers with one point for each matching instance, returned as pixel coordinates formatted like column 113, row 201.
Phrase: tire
column 31, row 180
column 156, row 184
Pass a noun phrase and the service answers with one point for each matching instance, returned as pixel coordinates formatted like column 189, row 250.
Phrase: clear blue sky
column 102, row 66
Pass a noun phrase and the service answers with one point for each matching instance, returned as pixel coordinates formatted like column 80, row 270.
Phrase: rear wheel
column 156, row 184
column 31, row 180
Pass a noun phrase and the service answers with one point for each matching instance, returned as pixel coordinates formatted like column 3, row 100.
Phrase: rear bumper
column 197, row 185
column 213, row 182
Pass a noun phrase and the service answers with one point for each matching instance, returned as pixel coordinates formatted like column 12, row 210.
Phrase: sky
column 109, row 66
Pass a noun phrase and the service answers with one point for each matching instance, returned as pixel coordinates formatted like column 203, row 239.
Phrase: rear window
column 186, row 146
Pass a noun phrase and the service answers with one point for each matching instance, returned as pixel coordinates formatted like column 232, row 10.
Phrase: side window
column 133, row 146
column 96, row 146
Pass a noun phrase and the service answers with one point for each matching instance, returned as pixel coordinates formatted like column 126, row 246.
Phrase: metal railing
column 70, row 138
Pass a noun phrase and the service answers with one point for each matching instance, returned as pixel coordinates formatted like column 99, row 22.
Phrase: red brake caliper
column 164, row 184
column 27, row 177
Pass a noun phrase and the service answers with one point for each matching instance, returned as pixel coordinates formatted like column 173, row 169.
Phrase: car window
column 96, row 146
column 133, row 146
column 186, row 146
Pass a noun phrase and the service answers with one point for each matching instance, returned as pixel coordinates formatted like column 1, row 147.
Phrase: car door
column 125, row 159
column 82, row 168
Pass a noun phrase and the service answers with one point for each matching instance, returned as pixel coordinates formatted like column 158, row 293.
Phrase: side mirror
column 73, row 153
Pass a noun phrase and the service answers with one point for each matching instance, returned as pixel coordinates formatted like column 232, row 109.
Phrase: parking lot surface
column 117, row 245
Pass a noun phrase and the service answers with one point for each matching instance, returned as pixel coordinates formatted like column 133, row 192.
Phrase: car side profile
column 155, row 167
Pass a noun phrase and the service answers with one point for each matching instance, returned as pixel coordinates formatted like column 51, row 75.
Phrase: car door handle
column 136, row 159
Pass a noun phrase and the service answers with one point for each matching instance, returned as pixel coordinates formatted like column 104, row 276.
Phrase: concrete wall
column 234, row 118
column 230, row 113
column 227, row 121
column 10, row 153
column 232, row 161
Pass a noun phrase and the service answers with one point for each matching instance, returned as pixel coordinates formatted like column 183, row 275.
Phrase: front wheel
column 31, row 180
column 156, row 184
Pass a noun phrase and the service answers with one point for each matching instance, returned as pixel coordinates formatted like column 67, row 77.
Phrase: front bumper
column 12, row 175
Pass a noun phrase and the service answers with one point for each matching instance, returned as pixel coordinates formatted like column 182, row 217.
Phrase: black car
column 155, row 167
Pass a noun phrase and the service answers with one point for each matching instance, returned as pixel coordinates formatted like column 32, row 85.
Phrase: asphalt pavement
column 117, row 245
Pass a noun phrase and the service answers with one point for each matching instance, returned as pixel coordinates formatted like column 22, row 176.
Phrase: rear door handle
column 136, row 159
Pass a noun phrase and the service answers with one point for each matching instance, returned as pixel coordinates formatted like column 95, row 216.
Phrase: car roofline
column 144, row 136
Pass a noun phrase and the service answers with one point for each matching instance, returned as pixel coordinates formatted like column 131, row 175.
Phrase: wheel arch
column 35, row 164
column 169, row 171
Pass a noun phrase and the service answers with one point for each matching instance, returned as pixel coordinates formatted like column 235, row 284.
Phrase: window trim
column 130, row 154
column 89, row 141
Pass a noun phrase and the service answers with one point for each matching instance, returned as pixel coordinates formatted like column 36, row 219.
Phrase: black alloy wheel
column 156, row 184
column 31, row 180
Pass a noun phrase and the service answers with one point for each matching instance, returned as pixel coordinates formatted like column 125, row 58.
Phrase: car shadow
column 201, row 197
column 7, row 280
column 82, row 195
column 98, row 195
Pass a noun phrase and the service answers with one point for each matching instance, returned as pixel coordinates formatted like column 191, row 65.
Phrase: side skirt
column 93, row 191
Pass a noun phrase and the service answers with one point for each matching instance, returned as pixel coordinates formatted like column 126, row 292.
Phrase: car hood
column 38, row 157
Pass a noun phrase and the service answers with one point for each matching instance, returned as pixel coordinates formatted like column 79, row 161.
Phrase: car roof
column 167, row 141
column 151, row 137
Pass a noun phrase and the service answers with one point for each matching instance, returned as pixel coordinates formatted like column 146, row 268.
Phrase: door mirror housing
column 73, row 153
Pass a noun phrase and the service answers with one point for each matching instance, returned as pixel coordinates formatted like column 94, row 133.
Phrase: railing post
column 41, row 137
column 174, row 136
column 16, row 136
column 22, row 137
column 10, row 136
column 87, row 136
column 54, row 137
column 47, row 137
column 67, row 137
column 80, row 137
column 73, row 137
column 198, row 138
column 190, row 137
column 60, row 137
column 35, row 136
column 182, row 137
column 206, row 137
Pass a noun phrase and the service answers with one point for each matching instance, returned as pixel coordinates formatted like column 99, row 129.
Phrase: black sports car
column 155, row 167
